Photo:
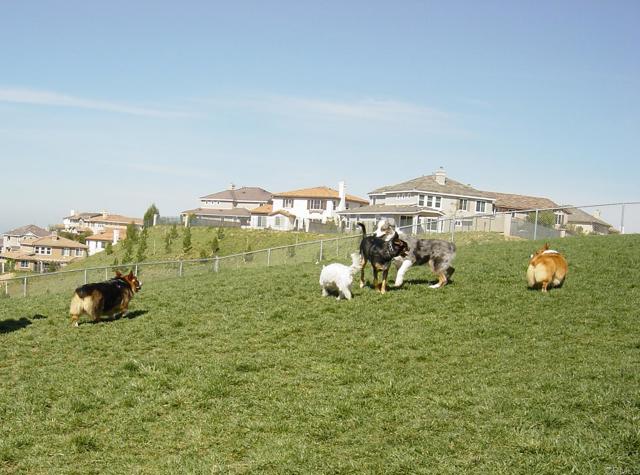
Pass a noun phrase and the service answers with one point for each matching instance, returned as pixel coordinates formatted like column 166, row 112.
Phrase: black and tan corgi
column 107, row 298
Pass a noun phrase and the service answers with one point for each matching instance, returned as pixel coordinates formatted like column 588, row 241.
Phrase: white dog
column 337, row 278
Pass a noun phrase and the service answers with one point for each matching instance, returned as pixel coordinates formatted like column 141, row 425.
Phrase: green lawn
column 252, row 371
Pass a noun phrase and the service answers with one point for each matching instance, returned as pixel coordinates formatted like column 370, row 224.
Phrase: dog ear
column 130, row 275
column 118, row 274
column 546, row 246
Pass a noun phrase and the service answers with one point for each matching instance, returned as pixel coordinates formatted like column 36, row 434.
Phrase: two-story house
column 98, row 242
column 521, row 205
column 296, row 209
column 422, row 202
column 230, row 207
column 77, row 222
column 98, row 222
column 40, row 254
column 11, row 240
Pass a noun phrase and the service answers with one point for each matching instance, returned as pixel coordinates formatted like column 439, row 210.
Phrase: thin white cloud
column 378, row 110
column 55, row 99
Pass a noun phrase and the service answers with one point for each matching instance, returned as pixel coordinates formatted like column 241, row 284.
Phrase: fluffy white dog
column 337, row 278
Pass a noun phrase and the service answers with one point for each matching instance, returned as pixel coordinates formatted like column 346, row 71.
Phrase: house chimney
column 342, row 205
column 440, row 176
column 116, row 236
column 232, row 186
column 104, row 214
column 72, row 212
column 596, row 214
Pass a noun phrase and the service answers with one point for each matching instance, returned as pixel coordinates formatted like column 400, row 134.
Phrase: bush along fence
column 524, row 224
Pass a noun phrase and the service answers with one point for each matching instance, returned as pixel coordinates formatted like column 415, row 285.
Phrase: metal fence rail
column 519, row 224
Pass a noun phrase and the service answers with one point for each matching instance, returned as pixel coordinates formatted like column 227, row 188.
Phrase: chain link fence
column 526, row 224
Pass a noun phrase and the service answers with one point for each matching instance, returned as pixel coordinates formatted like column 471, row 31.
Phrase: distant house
column 12, row 240
column 248, row 197
column 229, row 207
column 422, row 201
column 98, row 242
column 41, row 253
column 296, row 209
column 77, row 222
column 265, row 217
column 520, row 205
column 582, row 221
column 98, row 222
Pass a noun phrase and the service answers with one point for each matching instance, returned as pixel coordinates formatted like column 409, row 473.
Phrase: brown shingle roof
column 234, row 212
column 108, row 235
column 428, row 183
column 318, row 192
column 576, row 215
column 246, row 193
column 29, row 228
column 56, row 241
column 512, row 201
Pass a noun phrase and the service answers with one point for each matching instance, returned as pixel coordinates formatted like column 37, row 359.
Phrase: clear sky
column 118, row 104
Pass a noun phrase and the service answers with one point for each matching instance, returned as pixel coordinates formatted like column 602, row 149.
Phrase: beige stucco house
column 38, row 255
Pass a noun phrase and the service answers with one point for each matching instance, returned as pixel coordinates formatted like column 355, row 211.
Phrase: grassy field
column 252, row 371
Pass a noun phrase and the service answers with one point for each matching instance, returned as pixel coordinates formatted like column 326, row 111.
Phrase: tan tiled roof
column 31, row 257
column 512, row 201
column 428, row 183
column 56, row 241
column 246, row 193
column 108, row 235
column 84, row 216
column 114, row 219
column 283, row 213
column 318, row 192
column 264, row 209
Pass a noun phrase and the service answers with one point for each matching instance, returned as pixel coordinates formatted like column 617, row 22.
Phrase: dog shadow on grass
column 12, row 324
column 422, row 282
column 128, row 316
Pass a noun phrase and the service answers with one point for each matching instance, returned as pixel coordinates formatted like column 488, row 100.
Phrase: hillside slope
column 254, row 372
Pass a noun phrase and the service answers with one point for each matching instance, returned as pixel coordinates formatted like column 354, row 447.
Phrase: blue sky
column 116, row 105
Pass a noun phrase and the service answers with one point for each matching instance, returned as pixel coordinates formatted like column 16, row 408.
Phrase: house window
column 434, row 201
column 261, row 221
column 278, row 221
column 45, row 251
column 316, row 204
column 421, row 200
column 463, row 205
column 66, row 251
column 559, row 219
column 480, row 206
column 79, row 252
column 287, row 203
column 24, row 264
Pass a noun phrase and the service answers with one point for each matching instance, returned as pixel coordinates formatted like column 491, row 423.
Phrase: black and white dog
column 380, row 252
column 435, row 253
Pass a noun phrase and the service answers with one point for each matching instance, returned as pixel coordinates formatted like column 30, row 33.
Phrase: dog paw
column 435, row 286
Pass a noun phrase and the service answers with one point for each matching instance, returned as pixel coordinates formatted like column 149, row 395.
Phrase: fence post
column 24, row 288
column 106, row 273
column 85, row 276
column 622, row 220
column 321, row 249
column 268, row 257
column 452, row 224
column 6, row 287
column 535, row 226
column 216, row 264
column 135, row 272
column 180, row 269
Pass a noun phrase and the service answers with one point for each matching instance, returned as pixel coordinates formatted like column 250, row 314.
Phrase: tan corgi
column 546, row 267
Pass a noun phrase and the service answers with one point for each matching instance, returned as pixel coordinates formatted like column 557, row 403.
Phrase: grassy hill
column 253, row 371
column 230, row 241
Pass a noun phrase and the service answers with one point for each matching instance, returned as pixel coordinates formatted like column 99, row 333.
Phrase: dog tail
column 364, row 230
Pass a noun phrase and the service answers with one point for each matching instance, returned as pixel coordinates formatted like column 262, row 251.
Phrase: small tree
column 142, row 246
column 149, row 214
column 167, row 242
column 173, row 234
column 248, row 257
column 214, row 245
column 132, row 232
column 186, row 240
column 108, row 249
column 220, row 233
column 545, row 218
